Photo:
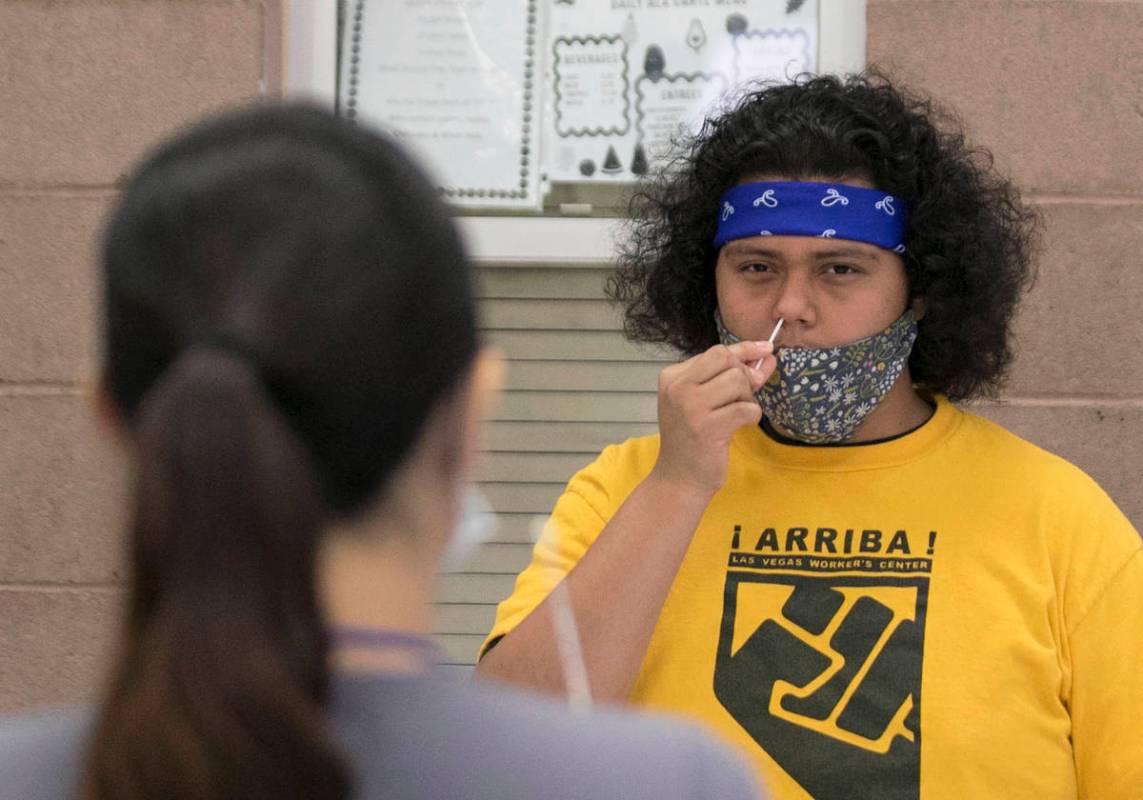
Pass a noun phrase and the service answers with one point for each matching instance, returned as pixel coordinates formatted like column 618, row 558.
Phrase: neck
column 901, row 410
column 377, row 580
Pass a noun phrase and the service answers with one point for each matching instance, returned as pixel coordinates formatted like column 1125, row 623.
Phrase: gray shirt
column 438, row 737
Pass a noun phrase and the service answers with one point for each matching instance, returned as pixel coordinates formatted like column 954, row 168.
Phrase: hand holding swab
column 773, row 336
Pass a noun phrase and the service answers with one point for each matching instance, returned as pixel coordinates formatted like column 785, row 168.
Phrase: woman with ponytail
column 292, row 359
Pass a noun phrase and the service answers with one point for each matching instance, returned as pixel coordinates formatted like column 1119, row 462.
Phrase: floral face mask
column 821, row 394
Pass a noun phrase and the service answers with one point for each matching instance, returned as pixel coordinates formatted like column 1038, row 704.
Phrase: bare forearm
column 616, row 591
column 620, row 584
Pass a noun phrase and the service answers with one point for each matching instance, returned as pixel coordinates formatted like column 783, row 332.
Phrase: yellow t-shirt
column 951, row 615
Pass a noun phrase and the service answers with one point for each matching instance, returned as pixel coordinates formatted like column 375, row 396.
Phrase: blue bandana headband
column 826, row 210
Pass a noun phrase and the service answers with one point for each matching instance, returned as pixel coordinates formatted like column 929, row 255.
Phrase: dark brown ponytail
column 286, row 301
column 220, row 685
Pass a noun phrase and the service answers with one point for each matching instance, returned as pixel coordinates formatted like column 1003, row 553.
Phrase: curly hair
column 970, row 240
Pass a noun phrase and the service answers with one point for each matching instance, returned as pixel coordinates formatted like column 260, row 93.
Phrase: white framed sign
column 311, row 72
column 458, row 82
column 627, row 77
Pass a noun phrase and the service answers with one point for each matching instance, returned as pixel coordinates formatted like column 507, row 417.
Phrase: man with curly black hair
column 874, row 593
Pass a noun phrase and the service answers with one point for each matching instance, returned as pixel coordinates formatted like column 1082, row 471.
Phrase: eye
column 842, row 269
column 756, row 267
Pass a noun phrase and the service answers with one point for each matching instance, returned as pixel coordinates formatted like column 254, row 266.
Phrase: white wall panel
column 565, row 437
column 583, row 376
column 584, row 345
column 573, row 386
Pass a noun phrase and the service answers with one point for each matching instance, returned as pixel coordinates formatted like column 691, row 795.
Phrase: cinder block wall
column 1054, row 88
column 85, row 87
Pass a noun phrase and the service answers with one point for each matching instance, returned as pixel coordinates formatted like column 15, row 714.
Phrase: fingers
column 729, row 387
column 747, row 352
column 734, row 416
column 702, row 401
column 765, row 369
column 715, row 361
column 733, row 381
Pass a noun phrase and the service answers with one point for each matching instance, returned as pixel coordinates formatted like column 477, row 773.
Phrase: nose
column 795, row 303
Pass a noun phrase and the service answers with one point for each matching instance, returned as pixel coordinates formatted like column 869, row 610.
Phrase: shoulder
column 40, row 754
column 505, row 743
column 618, row 469
column 995, row 438
column 636, row 454
column 1088, row 535
column 1015, row 456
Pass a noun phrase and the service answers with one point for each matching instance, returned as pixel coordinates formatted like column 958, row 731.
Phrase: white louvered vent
column 574, row 385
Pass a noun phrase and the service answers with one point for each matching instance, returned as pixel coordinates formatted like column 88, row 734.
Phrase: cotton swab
column 774, row 333
column 773, row 336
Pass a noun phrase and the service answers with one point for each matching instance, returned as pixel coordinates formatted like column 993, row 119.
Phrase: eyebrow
column 846, row 252
column 765, row 252
column 735, row 249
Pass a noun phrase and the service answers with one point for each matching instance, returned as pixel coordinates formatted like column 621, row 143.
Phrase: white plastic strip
column 311, row 51
column 541, row 241
column 841, row 36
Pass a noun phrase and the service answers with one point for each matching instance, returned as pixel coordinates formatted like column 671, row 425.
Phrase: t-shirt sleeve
column 1107, row 688
column 575, row 522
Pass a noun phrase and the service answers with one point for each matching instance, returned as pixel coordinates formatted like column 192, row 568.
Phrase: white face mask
column 472, row 529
